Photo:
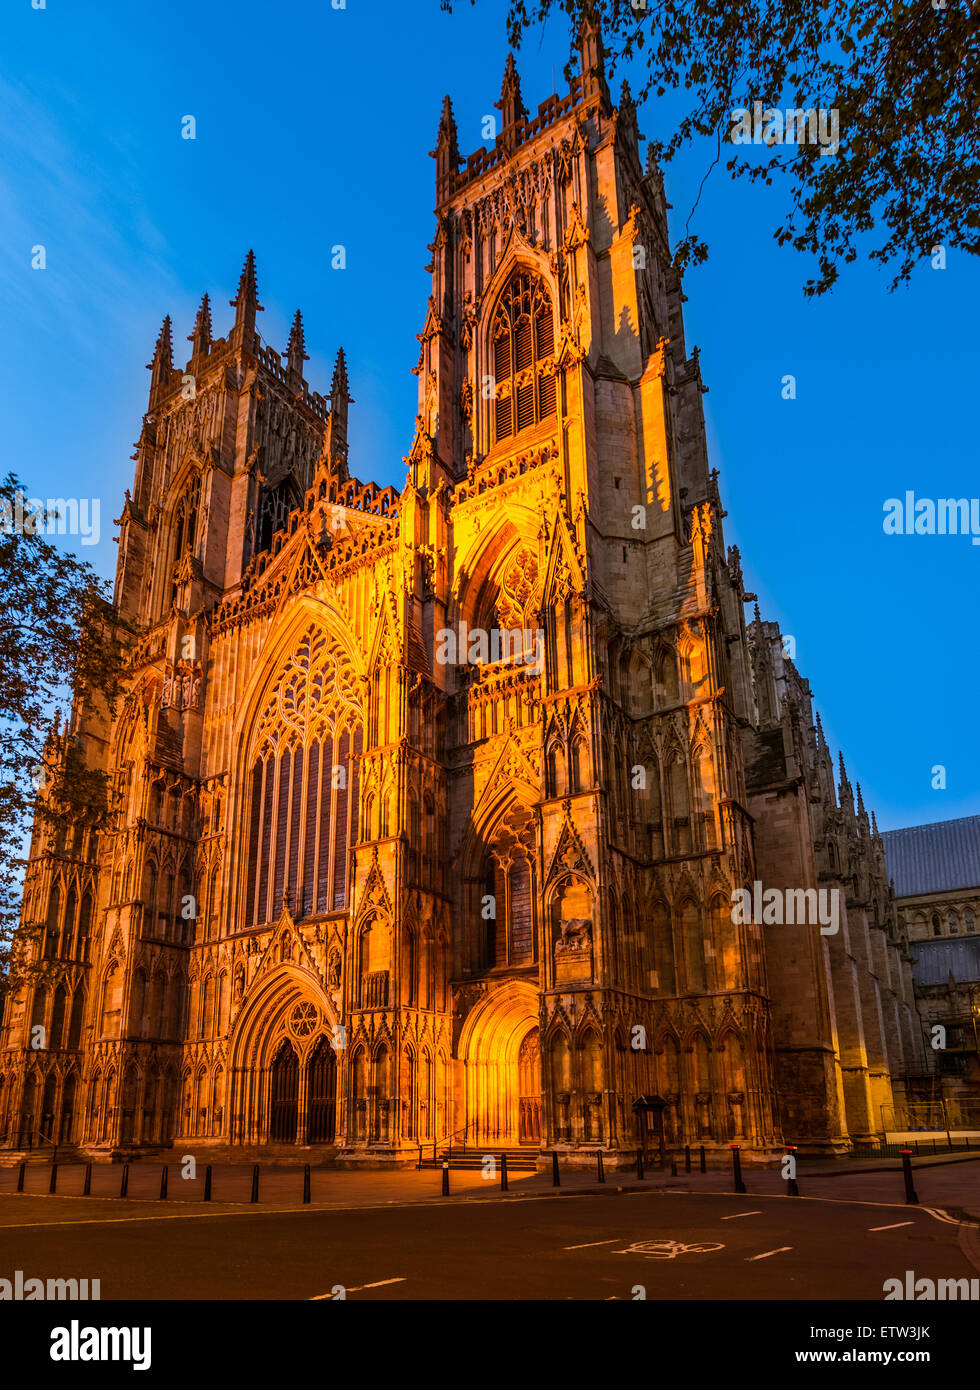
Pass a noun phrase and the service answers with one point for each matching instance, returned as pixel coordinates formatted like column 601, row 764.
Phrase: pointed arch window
column 54, row 916
column 523, row 346
column 56, row 1038
column 302, row 820
column 183, row 531
column 302, row 789
column 508, row 912
column 75, row 1018
column 274, row 507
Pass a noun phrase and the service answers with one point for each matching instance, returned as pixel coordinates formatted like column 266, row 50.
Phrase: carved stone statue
column 576, row 934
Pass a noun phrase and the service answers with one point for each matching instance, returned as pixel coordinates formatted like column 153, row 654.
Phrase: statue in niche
column 576, row 934
column 736, row 1101
column 702, row 1103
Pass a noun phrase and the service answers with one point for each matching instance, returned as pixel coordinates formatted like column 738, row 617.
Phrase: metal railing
column 22, row 1138
column 447, row 1139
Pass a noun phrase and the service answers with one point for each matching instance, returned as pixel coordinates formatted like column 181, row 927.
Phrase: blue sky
column 313, row 128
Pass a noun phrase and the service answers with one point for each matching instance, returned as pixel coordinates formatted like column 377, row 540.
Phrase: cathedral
column 428, row 809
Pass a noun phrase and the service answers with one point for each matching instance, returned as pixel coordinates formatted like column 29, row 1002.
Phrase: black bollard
column 911, row 1200
column 673, row 1167
column 687, row 1158
column 207, row 1183
column 704, row 1160
column 737, row 1168
column 87, row 1184
column 306, row 1184
column 555, row 1175
column 255, row 1184
column 916, row 1145
column 600, row 1172
column 445, row 1179
column 503, row 1172
column 163, row 1184
column 792, row 1188
column 53, row 1184
column 124, row 1185
column 20, row 1177
column 639, row 1165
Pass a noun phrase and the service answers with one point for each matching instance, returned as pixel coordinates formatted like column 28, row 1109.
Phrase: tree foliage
column 903, row 77
column 59, row 642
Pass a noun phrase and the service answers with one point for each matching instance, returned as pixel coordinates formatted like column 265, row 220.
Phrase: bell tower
column 561, row 452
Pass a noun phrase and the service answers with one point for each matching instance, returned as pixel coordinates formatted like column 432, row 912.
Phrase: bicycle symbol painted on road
column 667, row 1249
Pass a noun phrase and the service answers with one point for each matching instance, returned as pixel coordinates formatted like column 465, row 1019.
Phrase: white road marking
column 893, row 1227
column 667, row 1249
column 590, row 1244
column 737, row 1214
column 356, row 1288
column 766, row 1253
column 944, row 1216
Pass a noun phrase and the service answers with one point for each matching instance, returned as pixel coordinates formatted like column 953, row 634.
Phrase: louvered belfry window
column 523, row 341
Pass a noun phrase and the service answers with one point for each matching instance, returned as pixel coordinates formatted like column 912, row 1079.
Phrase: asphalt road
column 670, row 1245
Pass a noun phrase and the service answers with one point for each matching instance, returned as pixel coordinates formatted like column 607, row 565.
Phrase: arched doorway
column 502, row 1069
column 321, row 1075
column 284, row 1096
column 529, row 1089
column 266, row 1089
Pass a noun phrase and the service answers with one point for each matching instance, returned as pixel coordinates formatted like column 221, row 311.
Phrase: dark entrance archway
column 284, row 1096
column 529, row 1089
column 321, row 1090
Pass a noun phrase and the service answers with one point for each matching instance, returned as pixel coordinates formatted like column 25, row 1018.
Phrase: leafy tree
column 903, row 77
column 59, row 640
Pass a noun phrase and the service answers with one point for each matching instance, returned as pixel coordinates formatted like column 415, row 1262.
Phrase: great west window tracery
column 523, row 345
column 302, row 813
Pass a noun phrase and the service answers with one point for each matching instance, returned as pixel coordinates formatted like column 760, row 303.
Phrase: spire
column 246, row 302
column 591, row 53
column 340, row 384
column 845, row 787
column 340, row 399
column 627, row 115
column 862, row 814
column 200, row 339
column 163, row 356
column 296, row 353
column 511, row 105
column 446, row 152
column 821, row 736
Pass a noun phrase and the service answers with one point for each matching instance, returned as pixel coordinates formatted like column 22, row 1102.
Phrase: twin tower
column 366, row 890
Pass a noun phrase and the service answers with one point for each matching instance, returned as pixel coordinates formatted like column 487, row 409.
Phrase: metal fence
column 953, row 1115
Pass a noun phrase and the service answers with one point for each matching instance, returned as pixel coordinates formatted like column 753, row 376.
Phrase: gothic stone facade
column 366, row 886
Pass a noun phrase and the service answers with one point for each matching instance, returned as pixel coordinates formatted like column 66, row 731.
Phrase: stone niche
column 572, row 933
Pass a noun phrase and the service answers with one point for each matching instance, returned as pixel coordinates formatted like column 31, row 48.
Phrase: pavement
column 950, row 1182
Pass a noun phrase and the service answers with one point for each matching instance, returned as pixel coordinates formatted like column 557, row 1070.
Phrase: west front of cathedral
column 428, row 809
